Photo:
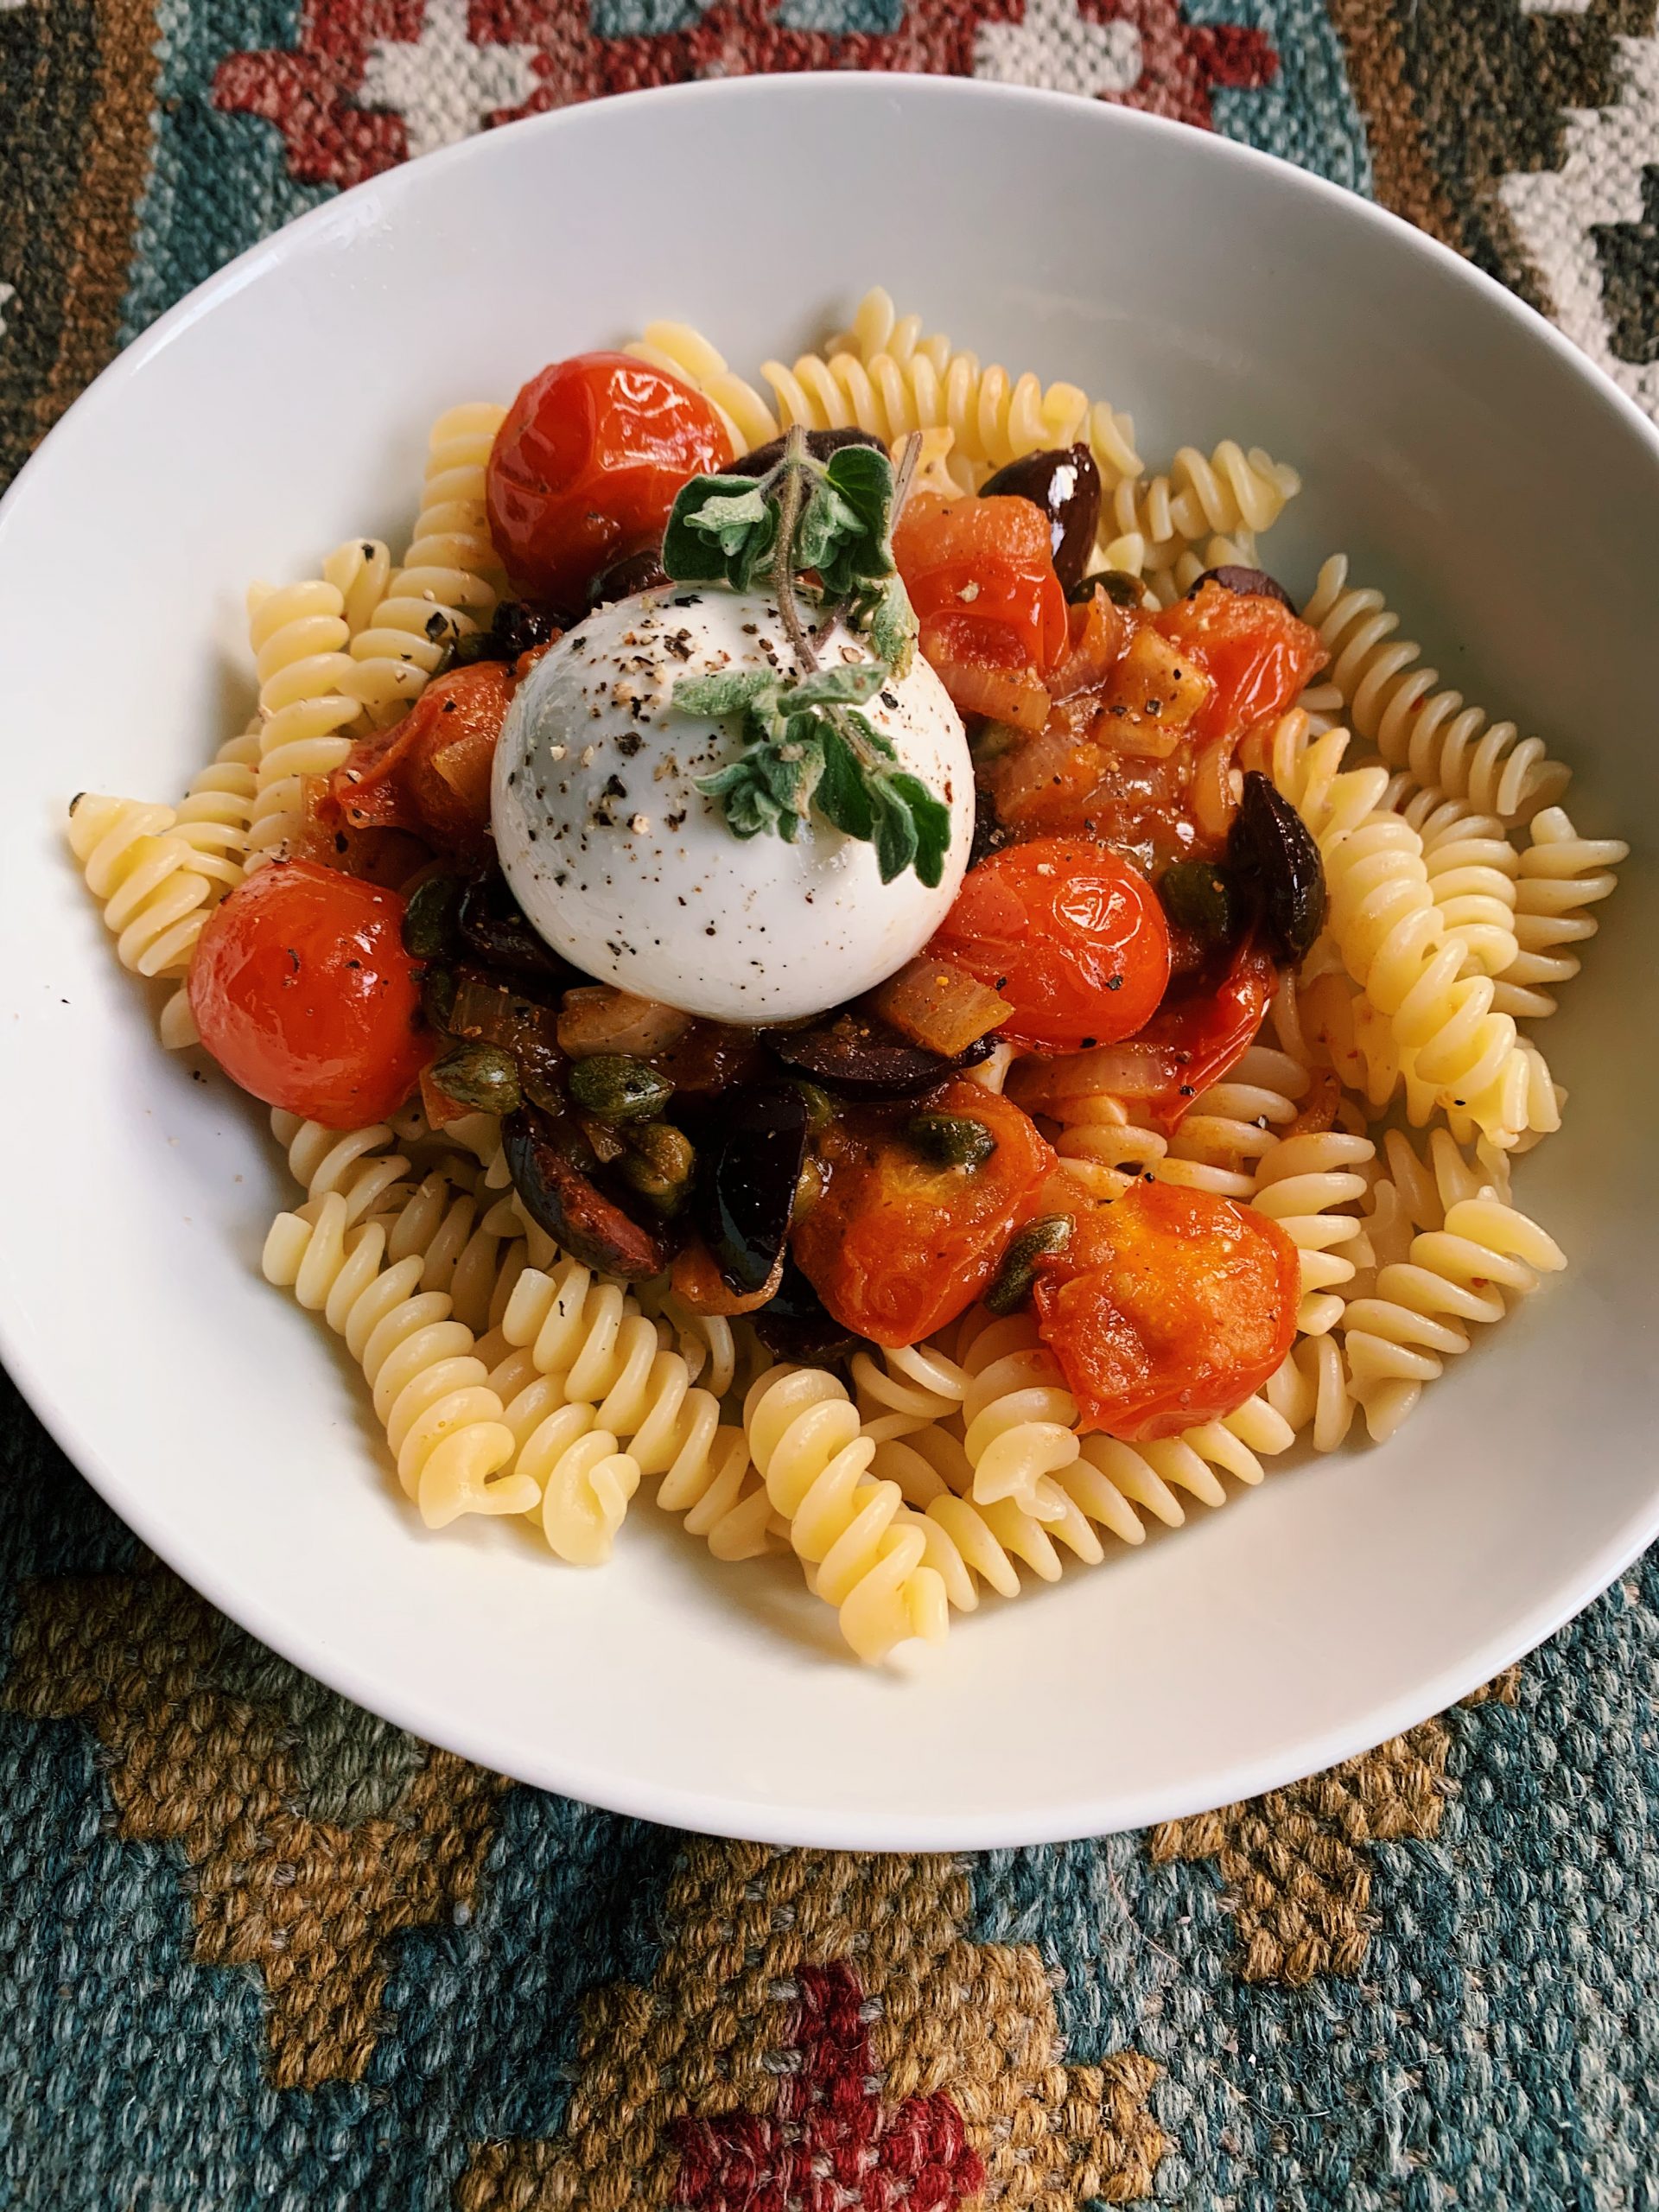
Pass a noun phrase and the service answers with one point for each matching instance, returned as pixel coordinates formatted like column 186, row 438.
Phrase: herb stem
column 904, row 477
column 791, row 493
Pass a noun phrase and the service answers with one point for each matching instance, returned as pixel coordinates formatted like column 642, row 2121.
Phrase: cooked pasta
column 1392, row 699
column 1300, row 1183
column 152, row 895
column 450, row 580
column 686, row 353
column 1018, row 1418
column 299, row 635
column 443, row 1423
column 1561, row 874
column 1228, row 493
column 906, row 1389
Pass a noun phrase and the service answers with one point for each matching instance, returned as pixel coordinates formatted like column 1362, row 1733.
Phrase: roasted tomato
column 1168, row 1308
column 897, row 1246
column 1257, row 653
column 305, row 996
column 430, row 772
column 585, row 468
column 1070, row 935
column 980, row 576
column 1206, row 1026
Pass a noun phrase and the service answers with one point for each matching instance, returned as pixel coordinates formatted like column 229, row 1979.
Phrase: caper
column 951, row 1140
column 438, row 996
column 1050, row 1232
column 480, row 1076
column 619, row 1088
column 820, row 1107
column 1122, row 590
column 431, row 917
column 659, row 1164
column 1199, row 897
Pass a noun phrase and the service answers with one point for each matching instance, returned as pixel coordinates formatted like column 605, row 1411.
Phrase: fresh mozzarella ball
column 626, row 868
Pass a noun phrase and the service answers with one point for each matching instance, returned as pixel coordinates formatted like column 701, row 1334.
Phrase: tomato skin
column 1210, row 1020
column 585, row 468
column 896, row 1247
column 1170, row 1307
column 1258, row 654
column 430, row 772
column 981, row 577
column 305, row 996
column 1071, row 934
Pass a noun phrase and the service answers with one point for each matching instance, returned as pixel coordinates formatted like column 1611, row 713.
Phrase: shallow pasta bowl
column 1471, row 463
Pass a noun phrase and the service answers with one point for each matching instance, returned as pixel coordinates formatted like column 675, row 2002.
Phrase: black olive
column 635, row 572
column 1123, row 590
column 552, row 1170
column 1065, row 484
column 1199, row 897
column 794, row 1324
column 819, row 444
column 1248, row 583
column 864, row 1059
column 516, row 627
column 989, row 834
column 493, row 924
column 745, row 1200
column 1270, row 851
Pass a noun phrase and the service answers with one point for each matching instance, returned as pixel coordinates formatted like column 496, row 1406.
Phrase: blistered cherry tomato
column 1169, row 1307
column 898, row 1246
column 1206, row 1025
column 1258, row 654
column 585, row 468
column 1070, row 934
column 430, row 772
column 980, row 576
column 305, row 996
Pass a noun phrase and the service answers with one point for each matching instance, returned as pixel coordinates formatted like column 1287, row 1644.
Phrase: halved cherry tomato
column 1258, row 653
column 897, row 1246
column 585, row 468
column 1206, row 1025
column 1069, row 933
column 430, row 772
column 1170, row 1307
column 980, row 576
column 305, row 996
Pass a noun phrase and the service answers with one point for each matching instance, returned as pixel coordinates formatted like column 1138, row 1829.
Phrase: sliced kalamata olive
column 1248, row 583
column 795, row 1324
column 990, row 834
column 1269, row 849
column 745, row 1200
column 1123, row 590
column 635, row 572
column 819, row 444
column 861, row 1059
column 551, row 1169
column 516, row 627
column 493, row 924
column 1065, row 484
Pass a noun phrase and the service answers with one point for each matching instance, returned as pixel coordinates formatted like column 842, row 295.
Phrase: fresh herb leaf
column 931, row 818
column 848, row 685
column 728, row 691
column 891, row 626
column 895, row 832
column 842, row 798
column 863, row 477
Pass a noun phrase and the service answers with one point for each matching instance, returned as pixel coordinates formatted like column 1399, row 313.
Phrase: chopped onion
column 598, row 1018
column 938, row 1006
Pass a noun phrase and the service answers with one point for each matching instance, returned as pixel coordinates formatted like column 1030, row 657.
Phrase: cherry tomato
column 1206, row 1025
column 305, row 996
column 1070, row 934
column 1169, row 1307
column 430, row 772
column 896, row 1247
column 980, row 576
column 585, row 468
column 1259, row 655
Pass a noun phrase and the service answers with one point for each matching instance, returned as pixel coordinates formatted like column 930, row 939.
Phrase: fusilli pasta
column 1560, row 875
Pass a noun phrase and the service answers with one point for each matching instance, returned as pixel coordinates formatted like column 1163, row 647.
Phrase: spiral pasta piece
column 685, row 352
column 1228, row 493
column 1455, row 1276
column 1429, row 733
column 867, row 1549
column 1019, row 1419
column 1300, row 1183
column 450, row 579
column 1560, row 875
column 299, row 635
column 1473, row 868
column 580, row 1341
column 1235, row 1125
column 906, row 1389
column 443, row 1422
column 154, row 898
column 1311, row 1392
column 966, row 1543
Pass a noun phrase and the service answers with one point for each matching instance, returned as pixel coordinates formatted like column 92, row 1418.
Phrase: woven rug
column 260, row 1949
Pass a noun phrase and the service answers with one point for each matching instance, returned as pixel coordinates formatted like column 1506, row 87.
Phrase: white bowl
column 1473, row 465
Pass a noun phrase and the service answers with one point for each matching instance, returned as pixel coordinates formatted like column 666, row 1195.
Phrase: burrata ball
column 631, row 872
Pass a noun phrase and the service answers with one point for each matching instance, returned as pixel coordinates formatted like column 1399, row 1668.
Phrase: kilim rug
column 258, row 1949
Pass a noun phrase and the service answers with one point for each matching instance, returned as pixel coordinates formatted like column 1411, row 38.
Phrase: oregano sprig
column 821, row 530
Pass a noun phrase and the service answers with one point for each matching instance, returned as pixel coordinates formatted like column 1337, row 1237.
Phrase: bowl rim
column 722, row 1812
